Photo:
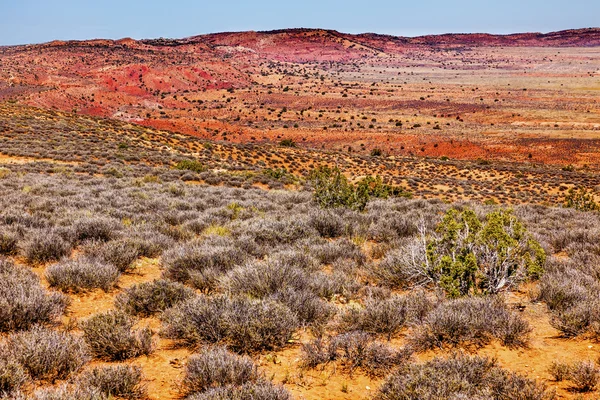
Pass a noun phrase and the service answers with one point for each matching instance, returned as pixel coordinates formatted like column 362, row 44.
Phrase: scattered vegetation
column 243, row 324
column 581, row 199
column 122, row 381
column 460, row 376
column 150, row 298
column 82, row 274
column 46, row 354
column 24, row 301
column 111, row 336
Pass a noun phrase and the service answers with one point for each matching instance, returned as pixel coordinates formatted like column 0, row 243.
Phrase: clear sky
column 35, row 21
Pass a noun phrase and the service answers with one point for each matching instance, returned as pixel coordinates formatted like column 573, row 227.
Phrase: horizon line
column 308, row 29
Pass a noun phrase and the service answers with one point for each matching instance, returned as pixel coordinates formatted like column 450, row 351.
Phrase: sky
column 37, row 21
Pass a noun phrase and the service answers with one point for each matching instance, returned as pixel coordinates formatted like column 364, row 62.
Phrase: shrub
column 47, row 354
column 354, row 350
column 297, row 259
column 23, row 301
column 386, row 317
column 581, row 199
column 374, row 187
column 96, row 228
column 572, row 296
column 149, row 243
column 467, row 255
column 82, row 274
column 123, row 381
column 310, row 310
column 12, row 377
column 261, row 279
column 64, row 392
column 216, row 367
column 201, row 264
column 8, row 243
column 584, row 375
column 253, row 391
column 342, row 249
column 390, row 226
column 287, row 143
column 276, row 232
column 332, row 189
column 243, row 324
column 148, row 298
column 459, row 377
column 559, row 371
column 190, row 165
column 110, row 336
column 121, row 252
column 335, row 285
column 471, row 321
column 44, row 247
column 327, row 223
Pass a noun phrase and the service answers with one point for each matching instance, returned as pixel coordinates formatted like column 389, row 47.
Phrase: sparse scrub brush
column 327, row 223
column 68, row 392
column 261, row 279
column 121, row 252
column 472, row 322
column 123, row 381
column 8, row 243
column 149, row 298
column 201, row 263
column 111, row 336
column 309, row 308
column 45, row 246
column 24, row 302
column 386, row 317
column 355, row 350
column 585, row 376
column 96, row 228
column 82, row 274
column 47, row 354
column 559, row 371
column 460, row 377
column 243, row 324
column 12, row 377
column 254, row 391
column 216, row 367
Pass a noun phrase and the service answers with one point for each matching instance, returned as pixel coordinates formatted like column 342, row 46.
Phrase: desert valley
column 301, row 214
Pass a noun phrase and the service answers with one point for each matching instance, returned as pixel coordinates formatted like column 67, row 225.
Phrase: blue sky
column 34, row 21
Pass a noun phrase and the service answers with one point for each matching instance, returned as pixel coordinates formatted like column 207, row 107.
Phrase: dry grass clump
column 67, row 392
column 121, row 253
column 12, row 377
